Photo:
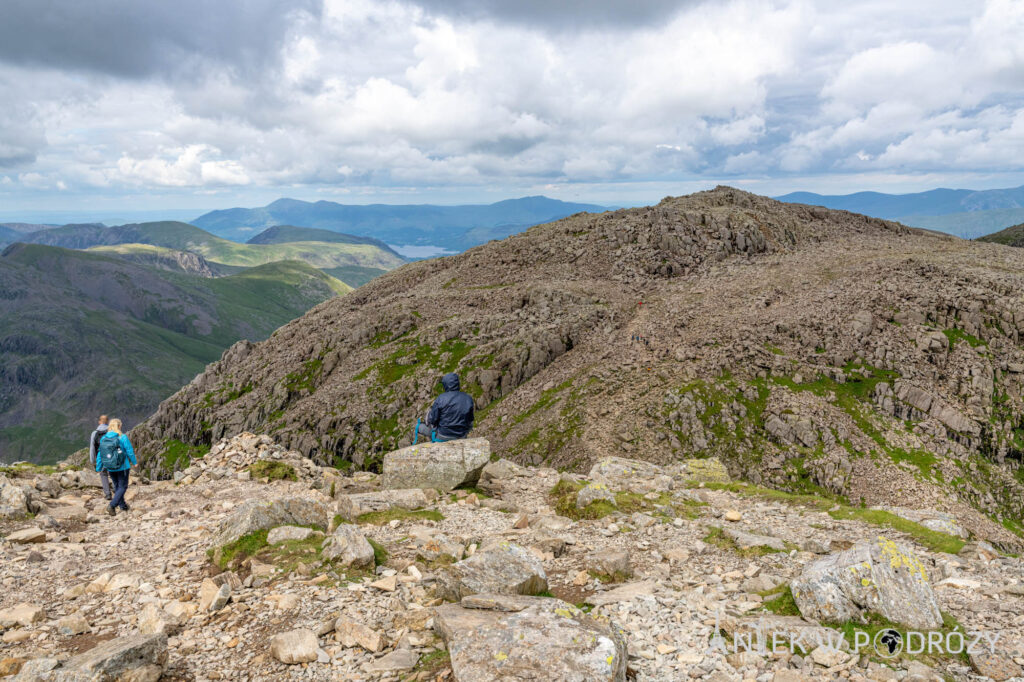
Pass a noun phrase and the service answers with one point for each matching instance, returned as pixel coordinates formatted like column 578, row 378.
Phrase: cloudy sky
column 196, row 104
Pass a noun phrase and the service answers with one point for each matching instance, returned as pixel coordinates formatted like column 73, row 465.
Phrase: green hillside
column 184, row 237
column 83, row 332
column 1011, row 236
column 280, row 234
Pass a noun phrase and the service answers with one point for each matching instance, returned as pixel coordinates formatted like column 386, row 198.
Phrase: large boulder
column 348, row 547
column 504, row 569
column 630, row 475
column 878, row 576
column 134, row 658
column 437, row 465
column 352, row 506
column 257, row 515
column 13, row 500
column 296, row 646
column 529, row 638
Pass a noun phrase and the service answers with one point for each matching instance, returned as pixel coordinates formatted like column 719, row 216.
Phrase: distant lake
column 421, row 251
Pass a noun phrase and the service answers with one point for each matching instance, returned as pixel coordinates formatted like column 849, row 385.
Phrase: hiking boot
column 126, row 508
column 110, row 496
column 111, row 511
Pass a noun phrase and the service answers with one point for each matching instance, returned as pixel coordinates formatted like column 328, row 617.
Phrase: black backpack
column 111, row 454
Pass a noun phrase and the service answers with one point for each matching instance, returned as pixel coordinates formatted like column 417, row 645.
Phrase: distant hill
column 8, row 235
column 185, row 237
column 1011, row 236
column 452, row 227
column 83, row 332
column 965, row 213
column 970, row 225
column 280, row 234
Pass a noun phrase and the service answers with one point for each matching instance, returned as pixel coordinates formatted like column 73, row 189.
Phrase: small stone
column 297, row 646
column 733, row 515
column 388, row 584
column 396, row 661
column 23, row 614
column 74, row 624
column 213, row 597
column 27, row 536
column 829, row 656
column 522, row 522
column 350, row 634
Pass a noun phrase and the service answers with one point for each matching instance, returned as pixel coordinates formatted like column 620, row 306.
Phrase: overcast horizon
column 120, row 107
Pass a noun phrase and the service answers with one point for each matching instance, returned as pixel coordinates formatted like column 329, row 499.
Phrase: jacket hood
column 450, row 381
column 102, row 428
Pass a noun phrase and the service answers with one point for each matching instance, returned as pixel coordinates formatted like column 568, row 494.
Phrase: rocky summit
column 810, row 350
column 257, row 564
column 721, row 438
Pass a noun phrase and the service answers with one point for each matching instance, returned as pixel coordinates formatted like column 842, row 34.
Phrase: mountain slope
column 83, row 333
column 812, row 350
column 451, row 227
column 1011, row 236
column 185, row 237
column 289, row 233
column 931, row 203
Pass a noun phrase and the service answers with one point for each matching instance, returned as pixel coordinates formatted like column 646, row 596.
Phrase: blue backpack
column 111, row 454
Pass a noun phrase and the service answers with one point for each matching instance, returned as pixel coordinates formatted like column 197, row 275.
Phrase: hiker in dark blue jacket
column 116, row 450
column 451, row 415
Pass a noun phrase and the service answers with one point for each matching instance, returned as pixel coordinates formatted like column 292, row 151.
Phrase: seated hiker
column 94, row 444
column 116, row 456
column 451, row 415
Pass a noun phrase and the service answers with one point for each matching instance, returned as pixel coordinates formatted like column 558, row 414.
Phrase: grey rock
column 504, row 569
column 878, row 576
column 437, row 465
column 296, row 646
column 352, row 506
column 593, row 492
column 541, row 639
column 257, row 515
column 286, row 533
column 630, row 475
column 348, row 547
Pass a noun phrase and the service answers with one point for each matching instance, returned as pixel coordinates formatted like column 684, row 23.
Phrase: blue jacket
column 126, row 445
column 452, row 412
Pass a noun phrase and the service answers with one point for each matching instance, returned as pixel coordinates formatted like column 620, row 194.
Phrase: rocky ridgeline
column 808, row 350
column 454, row 565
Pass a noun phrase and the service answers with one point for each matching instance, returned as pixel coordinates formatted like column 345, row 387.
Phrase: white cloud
column 387, row 97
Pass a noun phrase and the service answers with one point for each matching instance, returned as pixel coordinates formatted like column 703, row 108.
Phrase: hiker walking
column 94, row 444
column 116, row 456
column 451, row 415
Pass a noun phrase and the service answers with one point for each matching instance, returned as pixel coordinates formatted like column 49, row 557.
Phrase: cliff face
column 810, row 349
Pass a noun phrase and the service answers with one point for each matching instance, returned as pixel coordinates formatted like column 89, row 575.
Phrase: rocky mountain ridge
column 811, row 350
column 257, row 564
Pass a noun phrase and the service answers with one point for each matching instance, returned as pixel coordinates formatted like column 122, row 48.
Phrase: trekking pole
column 416, row 434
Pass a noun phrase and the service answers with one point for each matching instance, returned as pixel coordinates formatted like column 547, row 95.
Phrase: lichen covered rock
column 879, row 576
column 437, row 465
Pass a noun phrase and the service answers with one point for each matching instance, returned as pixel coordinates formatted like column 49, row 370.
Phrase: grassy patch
column 396, row 513
column 433, row 663
column 563, row 499
column 932, row 539
column 606, row 578
column 274, row 471
column 28, row 469
column 380, row 553
column 839, row 508
column 955, row 335
column 243, row 547
column 178, row 455
column 782, row 602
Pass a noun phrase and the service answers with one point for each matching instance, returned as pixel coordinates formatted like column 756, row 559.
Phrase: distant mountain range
column 454, row 228
column 962, row 212
column 83, row 332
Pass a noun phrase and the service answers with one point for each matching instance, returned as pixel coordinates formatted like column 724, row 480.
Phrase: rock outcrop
column 880, row 577
column 494, row 637
column 442, row 466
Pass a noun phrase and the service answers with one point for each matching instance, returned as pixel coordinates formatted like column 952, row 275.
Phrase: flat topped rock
column 263, row 514
column 27, row 536
column 505, row 569
column 540, row 639
column 437, row 465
